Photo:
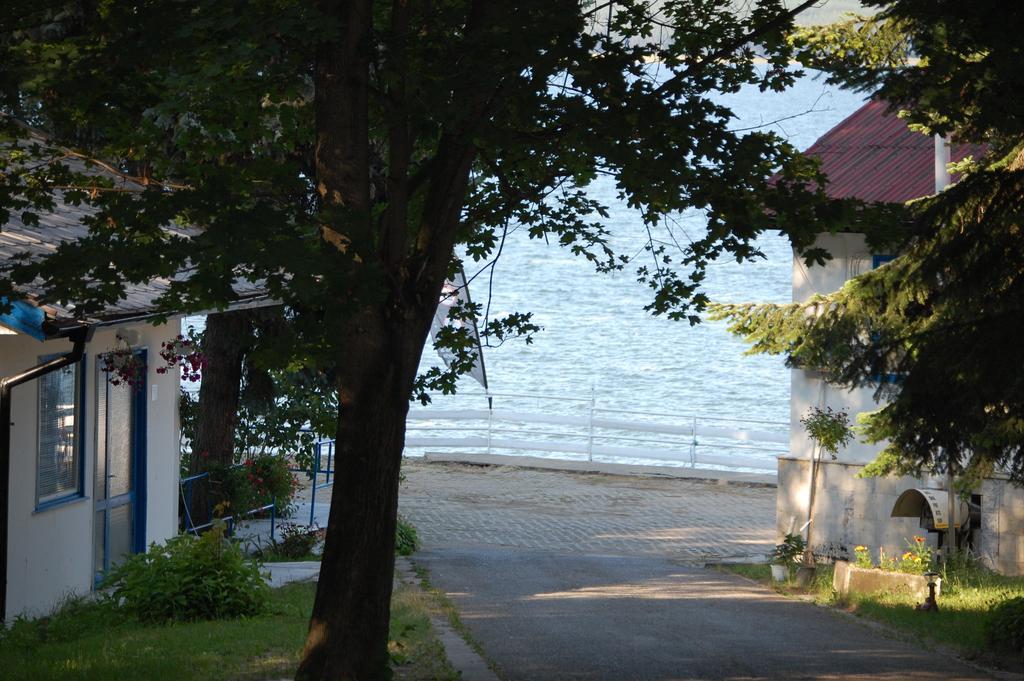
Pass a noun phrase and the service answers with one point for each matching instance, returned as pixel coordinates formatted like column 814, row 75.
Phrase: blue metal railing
column 321, row 448
column 186, row 485
column 318, row 454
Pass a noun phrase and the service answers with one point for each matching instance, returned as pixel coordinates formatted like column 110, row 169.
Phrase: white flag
column 454, row 292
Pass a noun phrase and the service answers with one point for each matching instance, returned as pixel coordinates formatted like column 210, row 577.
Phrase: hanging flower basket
column 184, row 353
column 123, row 366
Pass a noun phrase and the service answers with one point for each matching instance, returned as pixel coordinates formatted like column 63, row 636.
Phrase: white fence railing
column 577, row 428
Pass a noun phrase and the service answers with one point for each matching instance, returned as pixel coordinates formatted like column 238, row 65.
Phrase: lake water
column 596, row 334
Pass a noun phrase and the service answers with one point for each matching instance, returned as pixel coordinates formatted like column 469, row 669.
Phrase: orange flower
column 919, row 540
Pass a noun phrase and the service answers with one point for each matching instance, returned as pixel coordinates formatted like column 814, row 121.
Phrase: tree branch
column 727, row 50
column 400, row 145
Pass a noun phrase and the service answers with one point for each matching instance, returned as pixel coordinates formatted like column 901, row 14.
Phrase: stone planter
column 848, row 579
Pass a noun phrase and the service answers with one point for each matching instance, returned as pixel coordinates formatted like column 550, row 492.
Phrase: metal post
column 590, row 424
column 490, row 424
column 189, row 525
column 330, row 461
column 316, row 473
column 693, row 443
column 273, row 516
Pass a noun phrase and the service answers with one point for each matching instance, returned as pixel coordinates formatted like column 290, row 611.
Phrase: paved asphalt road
column 542, row 615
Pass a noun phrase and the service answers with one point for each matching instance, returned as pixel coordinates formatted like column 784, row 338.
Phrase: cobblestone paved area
column 686, row 520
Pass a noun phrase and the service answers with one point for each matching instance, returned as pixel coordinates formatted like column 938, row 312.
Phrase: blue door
column 120, row 490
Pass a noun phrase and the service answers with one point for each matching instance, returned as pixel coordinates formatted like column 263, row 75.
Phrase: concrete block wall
column 1002, row 526
column 848, row 510
column 851, row 511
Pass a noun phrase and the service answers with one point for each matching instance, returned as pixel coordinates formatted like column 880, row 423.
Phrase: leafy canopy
column 203, row 115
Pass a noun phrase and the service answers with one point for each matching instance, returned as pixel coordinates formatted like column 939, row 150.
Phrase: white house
column 873, row 156
column 88, row 469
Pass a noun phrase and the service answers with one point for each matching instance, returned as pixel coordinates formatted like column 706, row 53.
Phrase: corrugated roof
column 65, row 224
column 872, row 155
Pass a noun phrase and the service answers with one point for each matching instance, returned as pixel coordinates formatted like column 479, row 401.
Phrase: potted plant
column 785, row 555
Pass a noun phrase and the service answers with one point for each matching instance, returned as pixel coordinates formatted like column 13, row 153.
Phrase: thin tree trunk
column 808, row 557
column 348, row 631
column 225, row 342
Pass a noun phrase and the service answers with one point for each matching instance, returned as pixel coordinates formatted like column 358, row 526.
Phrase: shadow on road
column 542, row 615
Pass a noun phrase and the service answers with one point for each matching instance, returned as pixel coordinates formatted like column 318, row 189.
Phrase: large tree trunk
column 348, row 632
column 381, row 343
column 227, row 338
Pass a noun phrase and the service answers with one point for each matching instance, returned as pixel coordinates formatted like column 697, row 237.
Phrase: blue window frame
column 60, row 435
column 120, row 475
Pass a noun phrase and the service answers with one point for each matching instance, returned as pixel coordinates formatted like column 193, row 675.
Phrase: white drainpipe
column 941, row 163
column 942, row 158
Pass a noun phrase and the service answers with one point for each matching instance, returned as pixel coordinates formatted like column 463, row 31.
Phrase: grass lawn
column 964, row 604
column 89, row 641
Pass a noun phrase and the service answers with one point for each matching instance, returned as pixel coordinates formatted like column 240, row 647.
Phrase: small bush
column 296, row 542
column 788, row 552
column 406, row 539
column 189, row 579
column 1005, row 626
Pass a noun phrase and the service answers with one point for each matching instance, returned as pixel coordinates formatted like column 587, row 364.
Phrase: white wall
column 50, row 552
column 851, row 510
column 850, row 257
column 1002, row 525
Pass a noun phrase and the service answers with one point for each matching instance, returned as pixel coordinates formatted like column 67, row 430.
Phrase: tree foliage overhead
column 209, row 108
column 951, row 66
column 941, row 322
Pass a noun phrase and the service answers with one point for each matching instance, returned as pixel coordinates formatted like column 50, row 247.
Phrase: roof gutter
column 78, row 336
column 252, row 303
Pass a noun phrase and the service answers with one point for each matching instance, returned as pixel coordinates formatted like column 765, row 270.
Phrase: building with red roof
column 874, row 156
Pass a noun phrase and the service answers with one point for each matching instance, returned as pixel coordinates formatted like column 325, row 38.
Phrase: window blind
column 58, row 464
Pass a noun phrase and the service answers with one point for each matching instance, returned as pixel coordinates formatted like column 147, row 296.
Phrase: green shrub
column 788, row 552
column 296, row 542
column 189, row 579
column 406, row 539
column 1005, row 627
